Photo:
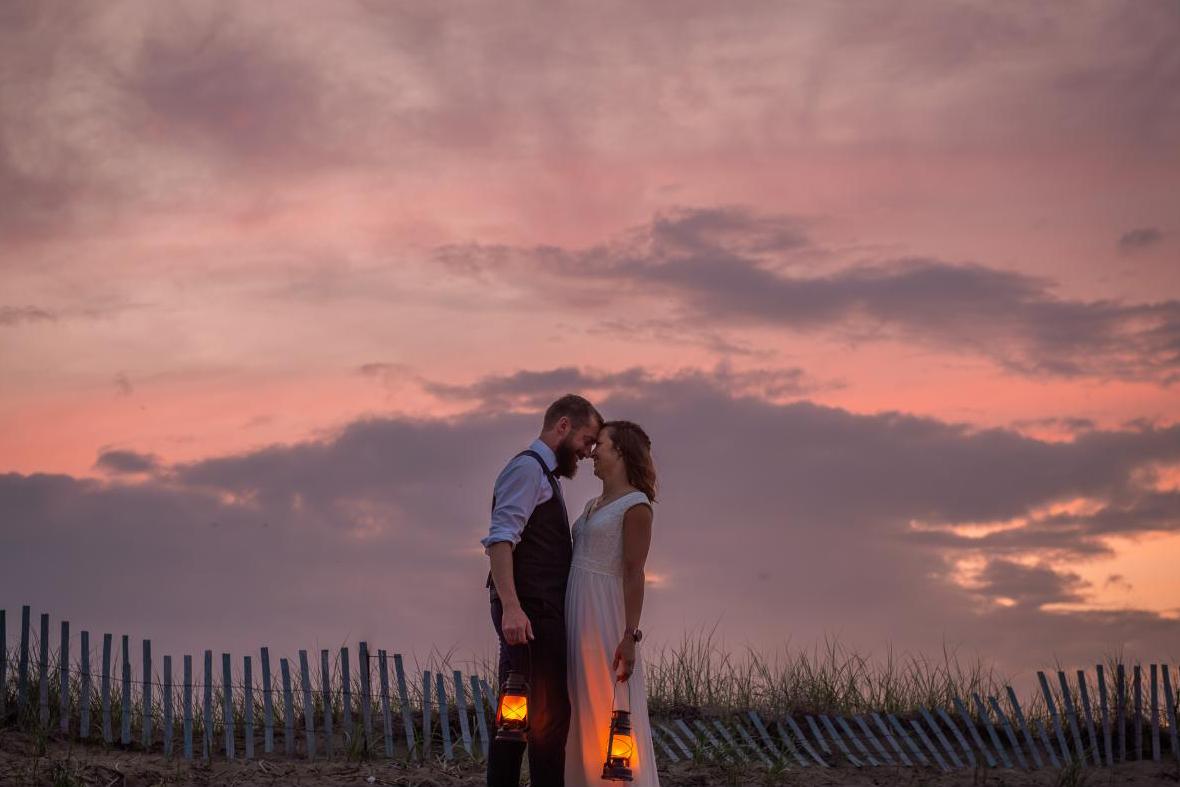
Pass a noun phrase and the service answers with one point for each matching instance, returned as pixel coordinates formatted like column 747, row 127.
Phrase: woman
column 603, row 602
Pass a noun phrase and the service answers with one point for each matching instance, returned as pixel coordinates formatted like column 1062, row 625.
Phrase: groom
column 530, row 550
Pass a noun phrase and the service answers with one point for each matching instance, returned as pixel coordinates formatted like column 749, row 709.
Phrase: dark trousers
column 542, row 662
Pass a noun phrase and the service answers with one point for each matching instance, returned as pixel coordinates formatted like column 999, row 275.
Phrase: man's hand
column 624, row 655
column 517, row 627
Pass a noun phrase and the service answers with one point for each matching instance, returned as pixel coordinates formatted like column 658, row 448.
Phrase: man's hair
column 574, row 407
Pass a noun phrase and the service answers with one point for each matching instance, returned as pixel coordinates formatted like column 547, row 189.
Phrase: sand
column 60, row 763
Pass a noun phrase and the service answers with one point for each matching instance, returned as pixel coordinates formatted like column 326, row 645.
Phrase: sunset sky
column 894, row 288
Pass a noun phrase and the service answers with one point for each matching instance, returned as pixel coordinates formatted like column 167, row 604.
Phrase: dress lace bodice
column 598, row 535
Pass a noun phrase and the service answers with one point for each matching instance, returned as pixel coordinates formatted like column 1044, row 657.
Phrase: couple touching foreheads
column 566, row 602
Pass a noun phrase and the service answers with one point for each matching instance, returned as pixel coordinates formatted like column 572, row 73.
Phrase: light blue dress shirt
column 520, row 488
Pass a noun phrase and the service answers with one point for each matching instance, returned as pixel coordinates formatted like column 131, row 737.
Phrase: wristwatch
column 636, row 634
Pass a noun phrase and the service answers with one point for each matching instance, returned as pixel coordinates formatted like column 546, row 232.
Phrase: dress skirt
column 595, row 618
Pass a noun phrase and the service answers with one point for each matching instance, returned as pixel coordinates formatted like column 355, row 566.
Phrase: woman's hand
column 625, row 656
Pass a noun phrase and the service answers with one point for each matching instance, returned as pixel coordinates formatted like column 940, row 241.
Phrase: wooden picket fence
column 925, row 739
column 337, row 714
column 451, row 716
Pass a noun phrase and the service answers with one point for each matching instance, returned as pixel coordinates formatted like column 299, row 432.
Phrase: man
column 530, row 550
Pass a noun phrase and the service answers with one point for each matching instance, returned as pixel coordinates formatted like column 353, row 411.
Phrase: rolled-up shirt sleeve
column 516, row 493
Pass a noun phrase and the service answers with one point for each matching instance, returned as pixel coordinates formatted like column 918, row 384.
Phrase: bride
column 603, row 601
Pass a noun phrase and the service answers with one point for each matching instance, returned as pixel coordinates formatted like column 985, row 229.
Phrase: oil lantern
column 512, row 717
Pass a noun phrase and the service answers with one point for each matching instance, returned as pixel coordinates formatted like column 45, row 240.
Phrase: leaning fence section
column 1131, row 723
column 331, row 707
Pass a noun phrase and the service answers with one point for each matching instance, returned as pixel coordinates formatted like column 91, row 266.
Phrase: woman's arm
column 636, row 542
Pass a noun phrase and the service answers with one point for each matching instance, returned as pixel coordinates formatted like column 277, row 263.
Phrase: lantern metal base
column 512, row 736
column 616, row 772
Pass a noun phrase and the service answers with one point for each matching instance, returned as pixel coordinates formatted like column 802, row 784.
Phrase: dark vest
column 541, row 561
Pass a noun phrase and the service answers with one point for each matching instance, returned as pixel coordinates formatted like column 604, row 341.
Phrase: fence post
column 125, row 709
column 1011, row 733
column 668, row 731
column 843, row 724
column 147, row 694
column 461, row 709
column 667, row 749
column 901, row 733
column 84, row 726
column 751, row 744
column 346, row 692
column 386, row 718
column 326, row 696
column 248, row 707
column 492, row 695
column 444, row 716
column 366, row 693
column 43, row 669
column 916, row 724
column 268, row 744
column 1137, row 683
column 1155, row 714
column 107, row 735
column 1095, row 747
column 1071, row 715
column 885, row 731
column 962, row 739
column 426, row 720
column 288, row 709
column 227, row 705
column 403, row 698
column 952, row 760
column 866, row 730
column 1121, row 713
column 930, row 720
column 1170, row 705
column 756, row 720
column 188, row 707
column 1105, row 715
column 974, row 730
column 167, row 706
column 308, row 706
column 1052, row 706
column 819, row 738
column 22, row 686
column 63, row 667
column 1044, row 732
column 207, row 731
column 798, row 733
column 481, row 723
column 1018, row 714
column 852, row 758
column 712, row 739
column 981, row 709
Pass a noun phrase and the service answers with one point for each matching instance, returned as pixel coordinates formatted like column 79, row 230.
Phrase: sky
column 893, row 288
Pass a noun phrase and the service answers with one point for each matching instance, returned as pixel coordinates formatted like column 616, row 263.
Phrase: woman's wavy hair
column 634, row 446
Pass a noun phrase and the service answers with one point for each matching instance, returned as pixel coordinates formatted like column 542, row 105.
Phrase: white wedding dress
column 595, row 618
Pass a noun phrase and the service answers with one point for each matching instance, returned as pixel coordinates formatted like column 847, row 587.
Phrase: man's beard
column 567, row 460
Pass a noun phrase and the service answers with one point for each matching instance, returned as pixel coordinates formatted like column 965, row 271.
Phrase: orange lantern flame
column 512, row 720
column 622, row 747
column 514, row 708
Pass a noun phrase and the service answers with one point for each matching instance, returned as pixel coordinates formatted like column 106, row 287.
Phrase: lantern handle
column 615, row 693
